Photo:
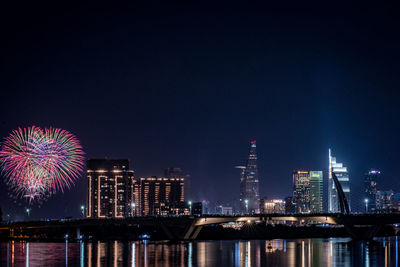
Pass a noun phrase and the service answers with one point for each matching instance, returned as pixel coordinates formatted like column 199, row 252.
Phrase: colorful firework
column 38, row 162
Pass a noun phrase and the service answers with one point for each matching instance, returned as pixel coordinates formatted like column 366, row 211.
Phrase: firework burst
column 38, row 162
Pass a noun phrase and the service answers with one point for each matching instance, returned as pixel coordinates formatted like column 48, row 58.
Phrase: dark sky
column 190, row 87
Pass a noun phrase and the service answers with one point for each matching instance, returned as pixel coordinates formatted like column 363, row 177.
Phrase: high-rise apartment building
column 249, row 183
column 160, row 191
column 301, row 191
column 110, row 188
column 344, row 180
column 370, row 182
column 174, row 172
column 316, row 191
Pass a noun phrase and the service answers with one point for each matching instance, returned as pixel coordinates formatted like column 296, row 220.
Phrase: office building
column 289, row 205
column 272, row 206
column 249, row 183
column 155, row 191
column 396, row 202
column 196, row 208
column 171, row 208
column 224, row 210
column 316, row 191
column 110, row 188
column 344, row 180
column 370, row 183
column 178, row 208
column 205, row 207
column 301, row 191
column 384, row 201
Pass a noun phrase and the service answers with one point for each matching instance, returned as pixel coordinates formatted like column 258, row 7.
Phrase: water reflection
column 279, row 252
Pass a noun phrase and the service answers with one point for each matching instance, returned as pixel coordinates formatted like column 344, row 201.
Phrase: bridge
column 371, row 223
column 358, row 226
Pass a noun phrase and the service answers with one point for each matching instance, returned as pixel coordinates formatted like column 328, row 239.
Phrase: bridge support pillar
column 189, row 231
column 367, row 233
column 196, row 232
column 167, row 231
column 192, row 232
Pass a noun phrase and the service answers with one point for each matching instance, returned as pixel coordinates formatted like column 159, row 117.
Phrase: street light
column 83, row 211
column 366, row 205
column 247, row 205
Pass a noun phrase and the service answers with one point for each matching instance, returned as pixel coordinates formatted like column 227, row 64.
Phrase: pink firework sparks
column 37, row 162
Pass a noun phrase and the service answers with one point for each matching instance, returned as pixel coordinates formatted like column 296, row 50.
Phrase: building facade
column 384, row 201
column 343, row 177
column 370, row 183
column 301, row 191
column 316, row 191
column 223, row 210
column 249, row 183
column 110, row 186
column 289, row 205
column 157, row 191
column 168, row 208
column 174, row 172
column 268, row 206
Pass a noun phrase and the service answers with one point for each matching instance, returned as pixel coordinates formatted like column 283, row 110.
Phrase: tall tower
column 343, row 177
column 370, row 182
column 301, row 191
column 249, row 183
column 316, row 191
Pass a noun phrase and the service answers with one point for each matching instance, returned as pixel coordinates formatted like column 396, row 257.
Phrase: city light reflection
column 133, row 255
column 27, row 254
column 82, row 254
column 190, row 256
column 280, row 252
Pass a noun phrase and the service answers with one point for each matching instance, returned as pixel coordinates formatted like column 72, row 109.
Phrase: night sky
column 190, row 87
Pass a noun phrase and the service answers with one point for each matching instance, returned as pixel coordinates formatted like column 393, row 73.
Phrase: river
column 277, row 252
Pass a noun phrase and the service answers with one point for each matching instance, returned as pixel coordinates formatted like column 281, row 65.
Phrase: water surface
column 278, row 252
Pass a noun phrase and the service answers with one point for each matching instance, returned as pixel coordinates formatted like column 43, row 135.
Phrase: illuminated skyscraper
column 110, row 189
column 307, row 191
column 301, row 191
column 174, row 172
column 249, row 183
column 370, row 182
column 157, row 192
column 343, row 177
column 316, row 191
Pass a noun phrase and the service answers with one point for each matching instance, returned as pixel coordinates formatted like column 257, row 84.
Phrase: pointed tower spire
column 249, row 184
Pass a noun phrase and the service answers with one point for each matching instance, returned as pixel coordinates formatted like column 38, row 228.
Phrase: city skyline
column 251, row 169
column 183, row 134
column 188, row 87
